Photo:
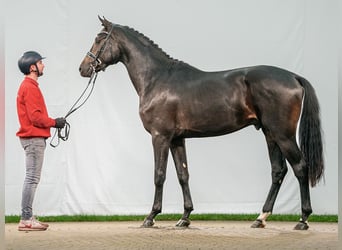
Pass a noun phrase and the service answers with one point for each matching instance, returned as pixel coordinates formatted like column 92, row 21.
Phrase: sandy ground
column 164, row 235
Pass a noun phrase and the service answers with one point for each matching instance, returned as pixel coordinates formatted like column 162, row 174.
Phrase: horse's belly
column 214, row 125
column 192, row 133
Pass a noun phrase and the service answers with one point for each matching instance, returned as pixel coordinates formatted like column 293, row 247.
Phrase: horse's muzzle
column 85, row 72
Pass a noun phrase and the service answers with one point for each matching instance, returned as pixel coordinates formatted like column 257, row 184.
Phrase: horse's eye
column 100, row 36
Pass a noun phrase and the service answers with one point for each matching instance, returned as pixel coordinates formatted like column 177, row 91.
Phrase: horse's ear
column 104, row 21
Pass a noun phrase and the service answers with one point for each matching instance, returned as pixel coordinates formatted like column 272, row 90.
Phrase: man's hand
column 60, row 122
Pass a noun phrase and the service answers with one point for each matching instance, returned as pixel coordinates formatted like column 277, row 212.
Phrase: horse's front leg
column 161, row 145
column 179, row 157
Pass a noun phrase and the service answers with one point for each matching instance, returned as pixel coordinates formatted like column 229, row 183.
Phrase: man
column 34, row 129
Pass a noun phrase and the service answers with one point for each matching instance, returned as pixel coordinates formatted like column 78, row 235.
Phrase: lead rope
column 63, row 133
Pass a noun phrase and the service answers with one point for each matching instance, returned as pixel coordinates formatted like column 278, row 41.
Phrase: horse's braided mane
column 147, row 41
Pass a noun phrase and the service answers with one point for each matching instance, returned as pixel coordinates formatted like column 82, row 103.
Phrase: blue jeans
column 34, row 152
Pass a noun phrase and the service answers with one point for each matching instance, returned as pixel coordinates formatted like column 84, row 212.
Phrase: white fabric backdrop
column 2, row 130
column 106, row 167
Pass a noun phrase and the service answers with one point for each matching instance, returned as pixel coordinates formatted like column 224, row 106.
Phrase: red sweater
column 32, row 113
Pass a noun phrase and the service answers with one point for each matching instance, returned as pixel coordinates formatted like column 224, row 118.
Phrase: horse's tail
column 310, row 133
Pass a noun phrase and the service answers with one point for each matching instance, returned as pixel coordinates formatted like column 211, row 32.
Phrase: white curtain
column 106, row 166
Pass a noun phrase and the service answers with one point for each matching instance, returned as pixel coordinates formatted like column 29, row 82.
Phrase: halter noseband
column 96, row 58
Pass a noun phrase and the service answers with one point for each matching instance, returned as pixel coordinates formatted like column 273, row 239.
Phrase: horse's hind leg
column 179, row 156
column 294, row 156
column 279, row 170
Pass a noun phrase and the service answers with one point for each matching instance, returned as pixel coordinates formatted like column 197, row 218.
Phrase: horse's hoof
column 183, row 223
column 302, row 226
column 148, row 223
column 258, row 224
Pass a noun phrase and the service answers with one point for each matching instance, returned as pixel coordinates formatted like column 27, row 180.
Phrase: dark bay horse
column 179, row 101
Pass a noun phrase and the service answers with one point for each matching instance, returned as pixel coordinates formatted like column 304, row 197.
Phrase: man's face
column 39, row 69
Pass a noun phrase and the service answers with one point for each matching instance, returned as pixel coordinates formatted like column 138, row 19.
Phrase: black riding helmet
column 27, row 59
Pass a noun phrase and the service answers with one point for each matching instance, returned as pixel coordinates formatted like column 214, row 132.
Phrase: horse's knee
column 159, row 179
column 183, row 179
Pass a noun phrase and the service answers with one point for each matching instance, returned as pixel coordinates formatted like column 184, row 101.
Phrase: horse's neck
column 143, row 65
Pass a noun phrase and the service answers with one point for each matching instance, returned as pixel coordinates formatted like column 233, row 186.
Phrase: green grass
column 176, row 217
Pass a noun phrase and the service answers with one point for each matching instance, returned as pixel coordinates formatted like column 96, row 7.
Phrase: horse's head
column 104, row 51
